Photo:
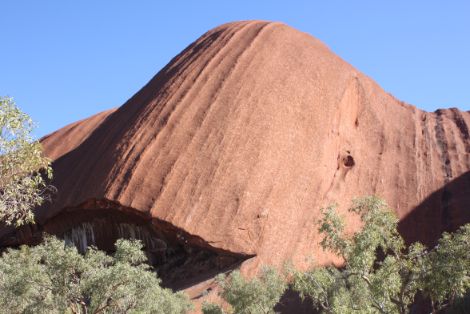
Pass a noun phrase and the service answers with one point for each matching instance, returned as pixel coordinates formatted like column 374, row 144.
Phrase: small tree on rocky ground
column 256, row 296
column 55, row 278
column 380, row 273
column 22, row 166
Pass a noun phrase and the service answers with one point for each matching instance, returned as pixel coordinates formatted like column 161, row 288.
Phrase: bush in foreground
column 381, row 274
column 54, row 278
column 256, row 296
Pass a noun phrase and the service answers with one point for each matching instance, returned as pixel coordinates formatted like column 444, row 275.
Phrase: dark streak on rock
column 443, row 146
column 446, row 166
column 463, row 128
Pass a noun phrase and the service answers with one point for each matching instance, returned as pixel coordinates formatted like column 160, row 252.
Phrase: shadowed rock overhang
column 179, row 258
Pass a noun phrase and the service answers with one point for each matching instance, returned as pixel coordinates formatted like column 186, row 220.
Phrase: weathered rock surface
column 245, row 135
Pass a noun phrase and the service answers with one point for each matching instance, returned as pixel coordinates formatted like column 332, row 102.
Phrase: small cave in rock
column 179, row 259
column 348, row 161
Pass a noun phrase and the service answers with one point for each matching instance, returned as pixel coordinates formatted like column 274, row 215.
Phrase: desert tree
column 380, row 273
column 23, row 168
column 446, row 271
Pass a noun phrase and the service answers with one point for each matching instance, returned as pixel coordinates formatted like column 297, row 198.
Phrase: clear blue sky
column 65, row 60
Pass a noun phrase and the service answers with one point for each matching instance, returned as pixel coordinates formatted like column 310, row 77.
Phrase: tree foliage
column 446, row 271
column 22, row 184
column 55, row 278
column 380, row 273
column 256, row 296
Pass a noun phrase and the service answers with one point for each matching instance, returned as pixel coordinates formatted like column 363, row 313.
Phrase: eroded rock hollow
column 179, row 258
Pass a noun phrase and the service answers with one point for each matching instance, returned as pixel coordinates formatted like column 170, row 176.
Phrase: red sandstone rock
column 245, row 135
column 61, row 142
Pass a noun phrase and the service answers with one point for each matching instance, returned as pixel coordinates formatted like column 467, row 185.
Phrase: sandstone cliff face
column 245, row 135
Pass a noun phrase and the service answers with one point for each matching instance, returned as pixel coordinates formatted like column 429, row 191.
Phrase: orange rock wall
column 247, row 133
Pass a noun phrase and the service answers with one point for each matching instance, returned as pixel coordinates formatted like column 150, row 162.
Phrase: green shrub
column 259, row 295
column 54, row 278
column 381, row 274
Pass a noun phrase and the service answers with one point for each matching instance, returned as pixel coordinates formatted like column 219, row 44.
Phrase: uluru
column 226, row 156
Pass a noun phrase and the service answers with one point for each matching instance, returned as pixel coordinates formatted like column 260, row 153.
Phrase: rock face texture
column 68, row 138
column 239, row 141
